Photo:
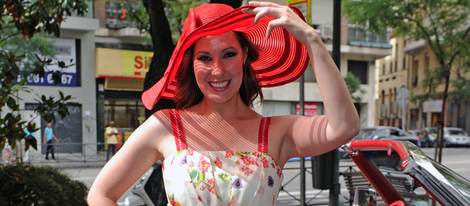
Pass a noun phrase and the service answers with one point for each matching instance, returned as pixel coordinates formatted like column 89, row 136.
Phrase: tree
column 443, row 24
column 354, row 85
column 24, row 50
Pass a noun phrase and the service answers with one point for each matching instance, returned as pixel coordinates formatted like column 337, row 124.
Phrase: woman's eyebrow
column 202, row 52
column 229, row 48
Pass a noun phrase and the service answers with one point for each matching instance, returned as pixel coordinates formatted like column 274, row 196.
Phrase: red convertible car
column 401, row 174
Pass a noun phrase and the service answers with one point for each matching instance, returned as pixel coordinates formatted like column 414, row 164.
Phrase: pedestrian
column 216, row 150
column 7, row 153
column 111, row 139
column 31, row 141
column 50, row 139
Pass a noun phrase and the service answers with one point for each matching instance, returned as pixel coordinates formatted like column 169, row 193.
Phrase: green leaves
column 31, row 185
column 30, row 17
column 49, row 106
column 11, row 103
column 354, row 85
column 25, row 49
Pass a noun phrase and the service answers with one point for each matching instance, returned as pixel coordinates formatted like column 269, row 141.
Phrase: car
column 399, row 173
column 454, row 136
column 381, row 132
column 385, row 132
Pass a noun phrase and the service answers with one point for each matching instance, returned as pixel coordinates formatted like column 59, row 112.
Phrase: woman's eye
column 204, row 58
column 230, row 54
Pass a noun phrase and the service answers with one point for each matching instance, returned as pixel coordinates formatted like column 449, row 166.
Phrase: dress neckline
column 254, row 153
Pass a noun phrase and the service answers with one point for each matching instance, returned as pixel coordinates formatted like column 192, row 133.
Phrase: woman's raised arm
column 315, row 135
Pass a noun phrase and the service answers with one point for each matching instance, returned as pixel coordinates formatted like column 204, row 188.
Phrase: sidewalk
column 66, row 160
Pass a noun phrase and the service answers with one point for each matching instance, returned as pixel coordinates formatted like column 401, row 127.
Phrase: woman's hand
column 286, row 18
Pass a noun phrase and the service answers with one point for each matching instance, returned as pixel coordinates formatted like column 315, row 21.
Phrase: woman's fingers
column 272, row 24
column 283, row 16
column 260, row 12
column 263, row 3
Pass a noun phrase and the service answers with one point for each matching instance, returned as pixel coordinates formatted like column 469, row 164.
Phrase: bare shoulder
column 154, row 132
column 284, row 122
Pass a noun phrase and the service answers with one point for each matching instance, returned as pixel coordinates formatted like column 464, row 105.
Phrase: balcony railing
column 359, row 36
column 117, row 16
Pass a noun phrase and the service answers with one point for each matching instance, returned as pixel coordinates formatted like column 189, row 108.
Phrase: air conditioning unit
column 326, row 31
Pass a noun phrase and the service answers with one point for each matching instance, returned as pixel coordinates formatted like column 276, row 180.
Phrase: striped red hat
column 282, row 59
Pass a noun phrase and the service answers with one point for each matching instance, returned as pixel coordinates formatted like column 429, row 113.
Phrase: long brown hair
column 188, row 92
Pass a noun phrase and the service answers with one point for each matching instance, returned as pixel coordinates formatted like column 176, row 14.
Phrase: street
column 454, row 158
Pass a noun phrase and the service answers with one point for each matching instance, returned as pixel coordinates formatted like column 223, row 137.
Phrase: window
column 394, row 132
column 359, row 69
column 414, row 73
column 426, row 63
column 383, row 96
column 396, row 58
column 404, row 62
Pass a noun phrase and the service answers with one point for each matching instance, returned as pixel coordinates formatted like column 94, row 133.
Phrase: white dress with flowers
column 220, row 177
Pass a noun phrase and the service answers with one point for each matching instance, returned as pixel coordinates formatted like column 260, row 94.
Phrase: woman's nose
column 218, row 67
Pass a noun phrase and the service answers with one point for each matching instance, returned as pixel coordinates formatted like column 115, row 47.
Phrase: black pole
column 302, row 160
column 336, row 53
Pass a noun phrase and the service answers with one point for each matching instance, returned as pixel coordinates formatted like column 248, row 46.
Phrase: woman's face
column 218, row 66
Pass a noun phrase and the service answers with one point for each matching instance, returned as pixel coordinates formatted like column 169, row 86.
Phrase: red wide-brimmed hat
column 282, row 59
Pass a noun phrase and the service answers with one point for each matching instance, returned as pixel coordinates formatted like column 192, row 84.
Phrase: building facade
column 76, row 133
column 123, row 56
column 392, row 76
column 409, row 65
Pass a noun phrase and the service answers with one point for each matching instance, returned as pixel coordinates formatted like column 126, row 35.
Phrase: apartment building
column 408, row 66
column 76, row 44
column 392, row 76
column 123, row 56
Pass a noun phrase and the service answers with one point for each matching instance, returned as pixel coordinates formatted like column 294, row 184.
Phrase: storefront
column 120, row 76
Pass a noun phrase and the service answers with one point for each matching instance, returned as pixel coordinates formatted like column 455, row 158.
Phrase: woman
column 216, row 150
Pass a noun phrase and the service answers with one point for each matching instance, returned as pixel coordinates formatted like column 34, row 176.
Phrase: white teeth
column 219, row 84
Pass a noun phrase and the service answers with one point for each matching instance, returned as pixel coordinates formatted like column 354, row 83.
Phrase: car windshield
column 455, row 180
column 365, row 134
column 456, row 132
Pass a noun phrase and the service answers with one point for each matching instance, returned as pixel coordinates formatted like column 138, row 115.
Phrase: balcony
column 359, row 36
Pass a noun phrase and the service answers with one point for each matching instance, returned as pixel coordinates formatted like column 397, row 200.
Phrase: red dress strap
column 263, row 134
column 178, row 131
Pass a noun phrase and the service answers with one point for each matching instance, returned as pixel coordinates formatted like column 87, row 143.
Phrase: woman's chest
column 221, row 176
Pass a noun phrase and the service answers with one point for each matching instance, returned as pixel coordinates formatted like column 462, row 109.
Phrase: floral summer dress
column 220, row 177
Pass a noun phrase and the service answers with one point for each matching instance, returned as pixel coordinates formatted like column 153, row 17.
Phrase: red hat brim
column 282, row 59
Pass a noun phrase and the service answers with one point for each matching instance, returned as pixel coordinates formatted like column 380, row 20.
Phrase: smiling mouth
column 219, row 86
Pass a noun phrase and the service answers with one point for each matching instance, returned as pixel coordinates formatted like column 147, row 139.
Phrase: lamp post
column 336, row 53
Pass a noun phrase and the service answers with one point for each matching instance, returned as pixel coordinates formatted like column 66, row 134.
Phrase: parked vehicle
column 383, row 132
column 147, row 191
column 401, row 174
column 375, row 133
column 454, row 136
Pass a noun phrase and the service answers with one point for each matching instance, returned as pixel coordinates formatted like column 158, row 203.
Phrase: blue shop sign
column 68, row 52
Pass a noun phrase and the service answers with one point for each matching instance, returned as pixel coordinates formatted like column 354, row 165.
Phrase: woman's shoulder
column 284, row 118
